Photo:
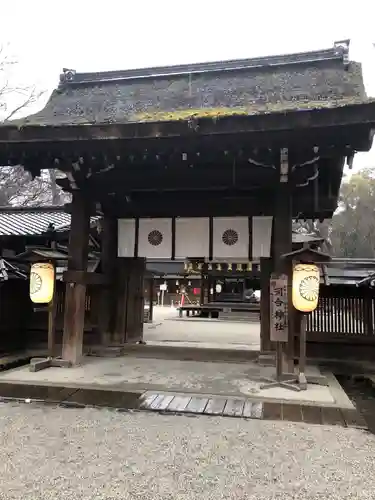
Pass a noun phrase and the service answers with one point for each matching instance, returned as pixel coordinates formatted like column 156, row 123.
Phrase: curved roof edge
column 339, row 51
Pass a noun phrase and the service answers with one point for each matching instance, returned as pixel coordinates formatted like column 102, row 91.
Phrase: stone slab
column 132, row 374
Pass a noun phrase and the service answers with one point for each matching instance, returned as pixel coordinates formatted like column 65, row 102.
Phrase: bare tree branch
column 30, row 99
column 16, row 185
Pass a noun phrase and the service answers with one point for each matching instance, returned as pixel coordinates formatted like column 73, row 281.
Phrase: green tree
column 353, row 226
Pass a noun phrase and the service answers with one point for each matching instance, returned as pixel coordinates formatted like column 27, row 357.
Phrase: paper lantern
column 42, row 281
column 306, row 279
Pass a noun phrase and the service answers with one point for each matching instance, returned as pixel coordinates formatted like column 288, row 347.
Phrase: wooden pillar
column 108, row 260
column 204, row 284
column 75, row 295
column 209, row 286
column 135, row 301
column 282, row 241
column 151, row 298
column 265, row 276
column 213, row 285
column 368, row 313
column 201, row 298
column 206, row 291
column 129, row 300
column 121, row 292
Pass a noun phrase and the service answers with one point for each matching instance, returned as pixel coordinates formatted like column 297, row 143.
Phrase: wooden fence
column 344, row 314
column 344, row 317
column 23, row 325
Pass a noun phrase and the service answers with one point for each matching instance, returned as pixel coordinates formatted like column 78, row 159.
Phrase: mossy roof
column 301, row 81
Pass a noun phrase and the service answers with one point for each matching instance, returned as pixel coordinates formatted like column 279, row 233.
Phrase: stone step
column 239, row 316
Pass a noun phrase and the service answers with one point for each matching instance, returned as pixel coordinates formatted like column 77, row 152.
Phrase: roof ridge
column 339, row 51
column 29, row 209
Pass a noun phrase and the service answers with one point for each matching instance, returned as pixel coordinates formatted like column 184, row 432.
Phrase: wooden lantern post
column 280, row 320
column 43, row 292
column 52, row 319
column 306, row 277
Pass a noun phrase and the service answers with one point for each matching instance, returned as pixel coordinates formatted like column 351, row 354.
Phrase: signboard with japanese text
column 279, row 308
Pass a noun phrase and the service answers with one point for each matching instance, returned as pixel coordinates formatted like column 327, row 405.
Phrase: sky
column 46, row 36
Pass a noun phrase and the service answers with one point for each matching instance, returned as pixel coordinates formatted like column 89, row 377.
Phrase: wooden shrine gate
column 148, row 148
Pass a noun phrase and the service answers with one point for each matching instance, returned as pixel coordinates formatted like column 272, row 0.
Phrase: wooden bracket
column 284, row 165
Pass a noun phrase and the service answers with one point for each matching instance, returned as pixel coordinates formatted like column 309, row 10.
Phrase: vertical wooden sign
column 279, row 308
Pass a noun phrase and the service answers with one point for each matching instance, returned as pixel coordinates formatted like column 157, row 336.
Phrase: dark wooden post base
column 41, row 364
column 74, row 322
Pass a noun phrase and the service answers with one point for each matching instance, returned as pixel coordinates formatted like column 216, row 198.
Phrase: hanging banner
column 230, row 238
column 279, row 308
column 155, row 238
column 261, row 237
column 126, row 238
column 192, row 237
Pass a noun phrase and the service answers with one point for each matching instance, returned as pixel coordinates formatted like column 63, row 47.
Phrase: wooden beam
column 244, row 180
column 75, row 295
column 165, row 206
column 86, row 278
column 290, row 121
column 68, row 207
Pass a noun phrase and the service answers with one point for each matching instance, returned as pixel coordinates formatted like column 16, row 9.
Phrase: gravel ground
column 49, row 453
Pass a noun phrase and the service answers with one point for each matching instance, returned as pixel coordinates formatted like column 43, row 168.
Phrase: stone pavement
column 169, row 329
column 135, row 374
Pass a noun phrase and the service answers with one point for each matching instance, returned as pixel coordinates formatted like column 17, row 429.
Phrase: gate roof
column 201, row 139
column 275, row 84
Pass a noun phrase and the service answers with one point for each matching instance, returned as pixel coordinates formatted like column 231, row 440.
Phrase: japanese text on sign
column 279, row 308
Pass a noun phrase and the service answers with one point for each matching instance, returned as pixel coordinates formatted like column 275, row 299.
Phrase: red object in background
column 196, row 291
column 182, row 300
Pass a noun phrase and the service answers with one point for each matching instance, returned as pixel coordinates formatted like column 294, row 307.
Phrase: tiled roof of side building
column 17, row 221
column 33, row 221
column 308, row 80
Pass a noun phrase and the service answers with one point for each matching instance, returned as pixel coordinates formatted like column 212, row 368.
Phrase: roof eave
column 288, row 120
